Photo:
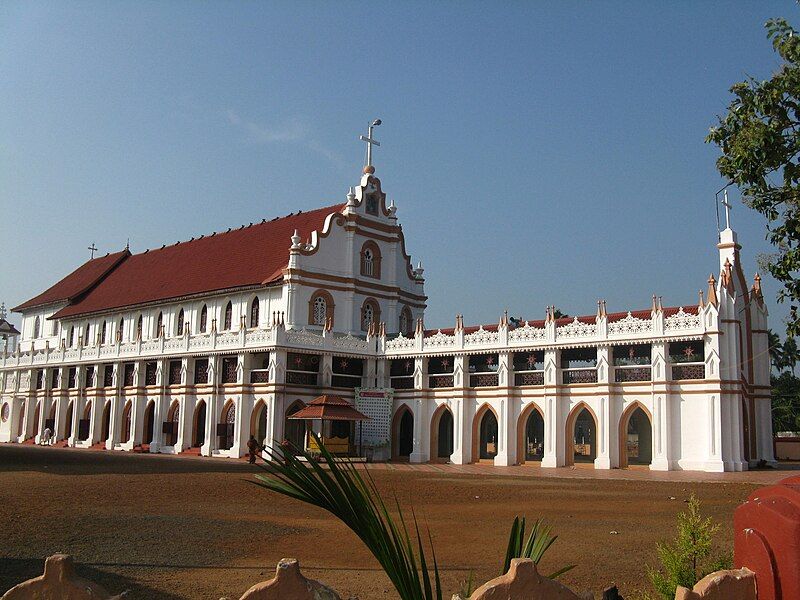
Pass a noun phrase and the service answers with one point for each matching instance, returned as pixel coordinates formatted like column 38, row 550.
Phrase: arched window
column 405, row 321
column 86, row 335
column 121, row 330
column 254, row 308
column 320, row 308
column 54, row 328
column 37, row 326
column 139, row 328
column 71, row 341
column 203, row 318
column 228, row 321
column 103, row 332
column 370, row 314
column 180, row 322
column 371, row 260
column 159, row 324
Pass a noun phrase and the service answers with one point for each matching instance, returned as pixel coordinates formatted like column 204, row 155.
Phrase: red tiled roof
column 330, row 408
column 77, row 282
column 249, row 256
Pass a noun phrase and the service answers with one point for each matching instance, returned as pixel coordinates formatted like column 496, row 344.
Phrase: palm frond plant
column 340, row 489
column 538, row 542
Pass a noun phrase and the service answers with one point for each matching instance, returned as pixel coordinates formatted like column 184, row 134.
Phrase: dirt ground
column 169, row 528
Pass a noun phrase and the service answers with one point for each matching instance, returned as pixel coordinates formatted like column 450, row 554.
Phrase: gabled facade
column 196, row 346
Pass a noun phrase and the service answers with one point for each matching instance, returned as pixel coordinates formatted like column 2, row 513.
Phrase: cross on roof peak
column 728, row 207
column 92, row 249
column 370, row 141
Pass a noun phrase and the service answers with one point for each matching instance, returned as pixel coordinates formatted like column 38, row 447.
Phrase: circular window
column 6, row 411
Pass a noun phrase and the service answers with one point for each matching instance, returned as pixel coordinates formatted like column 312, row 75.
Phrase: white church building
column 196, row 346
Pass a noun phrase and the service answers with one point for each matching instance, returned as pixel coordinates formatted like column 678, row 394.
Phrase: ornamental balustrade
column 626, row 374
column 259, row 376
column 681, row 321
column 529, row 378
column 579, row 375
column 576, row 329
column 402, row 383
column 527, row 333
column 482, row 338
column 686, row 371
column 440, row 381
column 484, row 380
column 630, row 325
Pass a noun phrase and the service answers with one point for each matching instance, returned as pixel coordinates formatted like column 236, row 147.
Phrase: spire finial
column 3, row 312
column 370, row 141
column 712, row 290
column 295, row 240
column 727, row 206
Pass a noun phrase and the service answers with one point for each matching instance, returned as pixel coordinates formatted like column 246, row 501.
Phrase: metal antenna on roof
column 93, row 249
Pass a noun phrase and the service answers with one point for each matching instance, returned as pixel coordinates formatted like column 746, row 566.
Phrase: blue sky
column 538, row 153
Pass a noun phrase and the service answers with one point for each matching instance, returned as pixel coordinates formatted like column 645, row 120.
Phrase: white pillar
column 662, row 438
column 463, row 411
column 419, row 453
column 553, row 422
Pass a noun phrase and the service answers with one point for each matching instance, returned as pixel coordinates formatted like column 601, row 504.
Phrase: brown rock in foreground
column 524, row 582
column 59, row 582
column 734, row 584
column 289, row 584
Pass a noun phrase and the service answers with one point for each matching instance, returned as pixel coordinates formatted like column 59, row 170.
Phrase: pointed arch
column 294, row 430
column 405, row 322
column 199, row 424
column 37, row 327
column 320, row 308
column 149, row 423
column 569, row 437
column 71, row 340
column 159, row 324
column 203, row 319
column 255, row 309
column 258, row 421
column 86, row 333
column 68, row 420
column 370, row 313
column 104, row 332
column 371, row 260
column 227, row 322
column 402, row 433
column 105, row 427
column 181, row 318
column 622, row 435
column 21, row 425
column 173, row 419
column 523, row 428
column 442, row 434
column 139, row 325
column 228, row 420
column 36, row 416
column 484, row 434
column 121, row 330
column 127, row 414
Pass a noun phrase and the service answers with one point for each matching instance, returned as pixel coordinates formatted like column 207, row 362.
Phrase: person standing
column 252, row 447
column 47, row 436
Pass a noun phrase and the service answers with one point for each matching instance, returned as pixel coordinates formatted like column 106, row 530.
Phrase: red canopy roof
column 249, row 256
column 329, row 408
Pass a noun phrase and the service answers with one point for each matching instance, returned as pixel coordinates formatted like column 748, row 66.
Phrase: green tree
column 686, row 560
column 760, row 142
column 785, row 402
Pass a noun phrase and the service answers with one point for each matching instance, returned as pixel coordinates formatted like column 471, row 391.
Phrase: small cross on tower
column 92, row 249
column 370, row 141
column 727, row 206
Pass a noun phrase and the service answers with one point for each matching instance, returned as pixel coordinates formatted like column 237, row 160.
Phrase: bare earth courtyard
column 167, row 527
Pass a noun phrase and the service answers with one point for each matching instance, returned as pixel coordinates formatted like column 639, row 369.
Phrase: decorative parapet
column 682, row 321
column 400, row 343
column 527, row 334
column 440, row 340
column 630, row 325
column 576, row 329
column 481, row 338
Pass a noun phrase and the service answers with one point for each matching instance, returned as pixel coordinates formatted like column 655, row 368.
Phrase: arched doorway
column 226, row 426
column 442, row 434
column 635, row 437
column 484, row 434
column 402, row 433
column 530, row 435
column 36, row 417
column 21, row 424
column 68, row 420
column 173, row 420
column 50, row 421
column 581, row 436
column 199, row 425
column 126, row 422
column 149, row 414
column 85, row 422
column 105, row 429
column 258, row 422
column 295, row 429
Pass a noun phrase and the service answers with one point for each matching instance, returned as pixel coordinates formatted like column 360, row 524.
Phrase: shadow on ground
column 17, row 570
column 71, row 461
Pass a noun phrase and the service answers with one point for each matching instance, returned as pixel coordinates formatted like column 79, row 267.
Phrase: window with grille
column 201, row 371
column 229, row 365
column 320, row 310
column 72, row 378
column 175, row 367
column 108, row 376
column 151, row 368
column 129, row 371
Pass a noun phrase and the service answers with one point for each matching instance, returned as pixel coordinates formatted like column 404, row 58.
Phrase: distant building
column 195, row 346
